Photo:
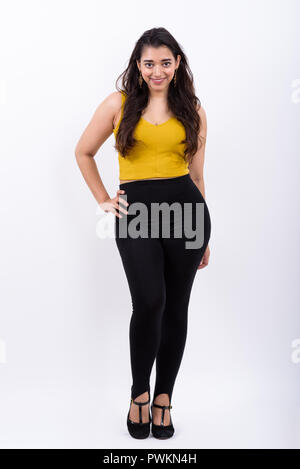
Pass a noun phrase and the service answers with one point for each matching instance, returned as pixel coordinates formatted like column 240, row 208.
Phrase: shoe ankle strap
column 140, row 403
column 162, row 406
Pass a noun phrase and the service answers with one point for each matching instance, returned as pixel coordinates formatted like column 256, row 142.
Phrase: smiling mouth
column 157, row 80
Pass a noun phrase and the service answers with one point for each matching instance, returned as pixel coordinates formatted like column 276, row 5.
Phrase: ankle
column 162, row 399
column 142, row 397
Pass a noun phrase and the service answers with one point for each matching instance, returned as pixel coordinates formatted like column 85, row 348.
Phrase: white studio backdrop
column 65, row 304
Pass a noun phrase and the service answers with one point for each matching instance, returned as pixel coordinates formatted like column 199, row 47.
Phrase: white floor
column 225, row 413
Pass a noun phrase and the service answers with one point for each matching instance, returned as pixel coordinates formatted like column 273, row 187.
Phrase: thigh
column 181, row 266
column 143, row 262
column 183, row 255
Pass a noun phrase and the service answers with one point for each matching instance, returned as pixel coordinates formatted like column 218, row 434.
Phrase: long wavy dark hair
column 182, row 100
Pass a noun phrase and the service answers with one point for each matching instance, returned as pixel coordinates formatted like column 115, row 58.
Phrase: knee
column 149, row 307
column 176, row 311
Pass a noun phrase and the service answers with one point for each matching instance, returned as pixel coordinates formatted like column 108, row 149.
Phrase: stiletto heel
column 139, row 429
column 162, row 431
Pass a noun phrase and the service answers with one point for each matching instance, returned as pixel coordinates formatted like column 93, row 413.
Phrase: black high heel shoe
column 162, row 431
column 139, row 429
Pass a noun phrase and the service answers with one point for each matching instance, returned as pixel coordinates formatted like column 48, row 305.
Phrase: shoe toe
column 162, row 432
column 138, row 431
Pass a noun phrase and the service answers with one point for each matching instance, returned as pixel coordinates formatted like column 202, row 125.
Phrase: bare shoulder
column 109, row 109
column 203, row 120
column 101, row 124
column 115, row 98
column 112, row 102
column 201, row 112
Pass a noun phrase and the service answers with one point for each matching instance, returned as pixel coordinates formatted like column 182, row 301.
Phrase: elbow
column 78, row 157
column 78, row 151
column 79, row 154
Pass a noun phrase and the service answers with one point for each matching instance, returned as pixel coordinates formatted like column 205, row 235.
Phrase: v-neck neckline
column 158, row 125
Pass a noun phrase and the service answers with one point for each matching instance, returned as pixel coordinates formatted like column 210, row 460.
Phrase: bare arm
column 97, row 131
column 196, row 172
column 197, row 165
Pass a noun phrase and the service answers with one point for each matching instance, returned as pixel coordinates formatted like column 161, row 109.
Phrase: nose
column 157, row 72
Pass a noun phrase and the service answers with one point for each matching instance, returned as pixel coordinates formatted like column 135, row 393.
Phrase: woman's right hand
column 110, row 205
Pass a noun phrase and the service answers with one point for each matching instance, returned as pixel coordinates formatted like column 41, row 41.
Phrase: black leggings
column 160, row 273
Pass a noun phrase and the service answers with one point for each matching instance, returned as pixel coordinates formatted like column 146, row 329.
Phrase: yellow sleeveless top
column 158, row 152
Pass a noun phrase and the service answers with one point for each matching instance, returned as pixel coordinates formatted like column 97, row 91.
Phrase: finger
column 120, row 199
column 116, row 213
column 121, row 209
column 123, row 201
column 118, row 208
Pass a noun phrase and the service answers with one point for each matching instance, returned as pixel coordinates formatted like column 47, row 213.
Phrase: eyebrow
column 162, row 60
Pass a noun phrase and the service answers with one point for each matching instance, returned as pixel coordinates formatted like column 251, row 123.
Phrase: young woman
column 160, row 132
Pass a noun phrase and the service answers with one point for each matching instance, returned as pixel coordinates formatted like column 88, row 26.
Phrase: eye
column 165, row 63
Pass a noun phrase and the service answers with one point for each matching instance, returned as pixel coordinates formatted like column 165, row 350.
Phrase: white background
column 65, row 305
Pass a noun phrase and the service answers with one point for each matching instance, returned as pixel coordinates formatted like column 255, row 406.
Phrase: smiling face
column 157, row 66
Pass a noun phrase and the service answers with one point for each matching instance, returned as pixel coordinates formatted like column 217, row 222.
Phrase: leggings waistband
column 157, row 182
